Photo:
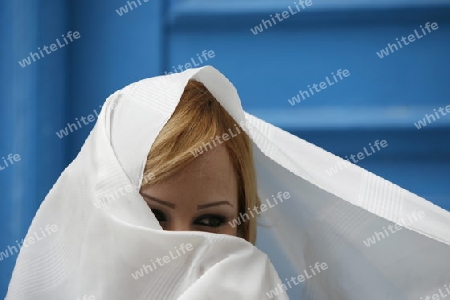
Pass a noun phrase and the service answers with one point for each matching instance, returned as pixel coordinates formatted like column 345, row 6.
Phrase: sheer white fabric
column 319, row 235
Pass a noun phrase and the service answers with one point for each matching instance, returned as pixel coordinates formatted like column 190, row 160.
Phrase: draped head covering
column 349, row 236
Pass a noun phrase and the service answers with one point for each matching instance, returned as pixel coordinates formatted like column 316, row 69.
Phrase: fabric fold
column 349, row 236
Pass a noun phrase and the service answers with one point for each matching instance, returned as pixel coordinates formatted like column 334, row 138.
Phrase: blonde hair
column 198, row 118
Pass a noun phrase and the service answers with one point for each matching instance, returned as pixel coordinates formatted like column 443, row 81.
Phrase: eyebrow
column 168, row 204
column 200, row 206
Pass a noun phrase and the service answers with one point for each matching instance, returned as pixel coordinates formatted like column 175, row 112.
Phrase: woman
column 201, row 156
column 204, row 191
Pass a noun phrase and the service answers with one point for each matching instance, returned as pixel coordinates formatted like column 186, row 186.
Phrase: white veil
column 352, row 235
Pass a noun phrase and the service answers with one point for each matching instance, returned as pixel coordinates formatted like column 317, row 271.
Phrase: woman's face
column 202, row 197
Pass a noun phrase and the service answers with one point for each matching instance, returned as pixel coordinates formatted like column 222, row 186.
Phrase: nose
column 178, row 225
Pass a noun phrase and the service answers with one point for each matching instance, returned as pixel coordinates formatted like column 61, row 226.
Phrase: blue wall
column 381, row 99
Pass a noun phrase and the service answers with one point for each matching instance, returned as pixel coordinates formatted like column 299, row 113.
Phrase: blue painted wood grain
column 381, row 99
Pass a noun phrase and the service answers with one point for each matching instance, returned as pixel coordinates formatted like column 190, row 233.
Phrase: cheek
column 229, row 230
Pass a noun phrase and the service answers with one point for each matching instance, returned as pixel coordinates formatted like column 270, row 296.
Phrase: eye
column 160, row 216
column 210, row 220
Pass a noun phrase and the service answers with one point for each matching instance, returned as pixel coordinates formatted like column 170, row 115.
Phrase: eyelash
column 160, row 216
column 217, row 219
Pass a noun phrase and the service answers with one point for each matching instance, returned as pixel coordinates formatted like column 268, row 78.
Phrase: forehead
column 211, row 165
column 210, row 177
